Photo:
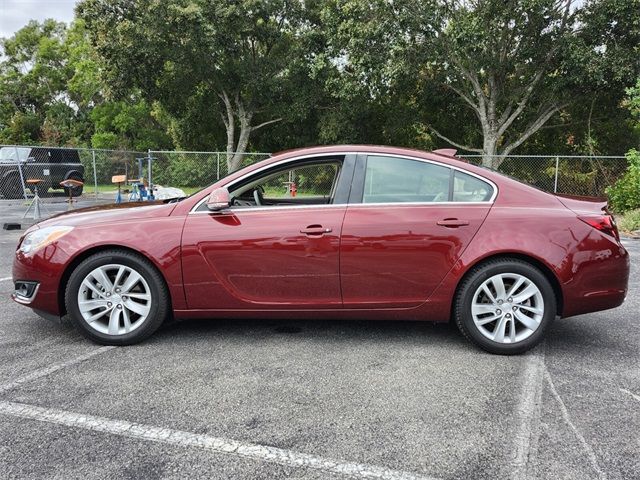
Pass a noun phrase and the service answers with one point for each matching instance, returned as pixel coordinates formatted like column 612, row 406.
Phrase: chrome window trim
column 344, row 153
column 340, row 205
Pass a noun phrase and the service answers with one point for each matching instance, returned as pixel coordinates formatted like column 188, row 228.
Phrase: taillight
column 604, row 223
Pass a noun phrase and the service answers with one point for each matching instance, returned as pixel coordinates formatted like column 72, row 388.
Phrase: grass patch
column 629, row 221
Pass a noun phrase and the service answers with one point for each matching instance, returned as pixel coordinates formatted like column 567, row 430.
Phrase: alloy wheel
column 114, row 299
column 507, row 308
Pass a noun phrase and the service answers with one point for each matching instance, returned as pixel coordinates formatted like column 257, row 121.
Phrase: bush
column 624, row 195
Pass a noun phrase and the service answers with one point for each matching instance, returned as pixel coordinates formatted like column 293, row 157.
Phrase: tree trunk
column 490, row 157
column 237, row 151
column 235, row 158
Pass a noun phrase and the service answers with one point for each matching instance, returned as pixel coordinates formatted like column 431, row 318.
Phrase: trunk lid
column 584, row 205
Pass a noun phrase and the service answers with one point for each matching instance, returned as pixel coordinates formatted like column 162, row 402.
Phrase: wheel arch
column 533, row 261
column 73, row 172
column 78, row 259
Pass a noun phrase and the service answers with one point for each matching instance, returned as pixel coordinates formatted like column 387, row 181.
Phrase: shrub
column 630, row 221
column 624, row 195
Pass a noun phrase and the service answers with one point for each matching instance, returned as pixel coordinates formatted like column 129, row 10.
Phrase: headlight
column 42, row 237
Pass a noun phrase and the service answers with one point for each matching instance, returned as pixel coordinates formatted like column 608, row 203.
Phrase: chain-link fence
column 573, row 175
column 191, row 171
column 25, row 169
column 108, row 176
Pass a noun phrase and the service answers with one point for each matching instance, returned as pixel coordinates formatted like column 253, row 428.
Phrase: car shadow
column 334, row 331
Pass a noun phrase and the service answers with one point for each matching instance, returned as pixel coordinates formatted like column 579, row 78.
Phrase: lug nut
column 508, row 315
column 108, row 294
column 499, row 302
column 119, row 306
column 117, row 290
column 509, row 299
column 109, row 304
column 127, row 298
column 515, row 308
column 498, row 312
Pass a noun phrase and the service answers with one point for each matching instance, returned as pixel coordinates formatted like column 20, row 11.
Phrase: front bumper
column 44, row 269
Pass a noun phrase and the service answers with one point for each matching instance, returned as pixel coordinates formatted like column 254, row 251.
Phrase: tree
column 236, row 58
column 514, row 64
column 33, row 75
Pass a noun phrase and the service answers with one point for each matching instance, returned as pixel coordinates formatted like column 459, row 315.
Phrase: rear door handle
column 315, row 230
column 452, row 223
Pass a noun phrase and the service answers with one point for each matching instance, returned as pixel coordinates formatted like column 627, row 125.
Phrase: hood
column 578, row 204
column 110, row 213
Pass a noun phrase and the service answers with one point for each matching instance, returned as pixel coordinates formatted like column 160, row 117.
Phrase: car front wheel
column 116, row 298
column 505, row 306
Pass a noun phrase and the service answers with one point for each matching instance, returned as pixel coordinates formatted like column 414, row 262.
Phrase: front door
column 406, row 229
column 277, row 247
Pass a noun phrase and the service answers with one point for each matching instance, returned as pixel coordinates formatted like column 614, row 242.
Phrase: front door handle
column 452, row 223
column 315, row 230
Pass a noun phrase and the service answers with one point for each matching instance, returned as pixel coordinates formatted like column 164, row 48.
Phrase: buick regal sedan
column 344, row 232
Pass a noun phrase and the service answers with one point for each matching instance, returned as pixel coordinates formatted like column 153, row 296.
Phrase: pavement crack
column 593, row 460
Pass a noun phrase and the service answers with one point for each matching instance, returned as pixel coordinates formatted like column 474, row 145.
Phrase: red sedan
column 345, row 232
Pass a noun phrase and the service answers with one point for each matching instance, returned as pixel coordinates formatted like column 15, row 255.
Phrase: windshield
column 8, row 154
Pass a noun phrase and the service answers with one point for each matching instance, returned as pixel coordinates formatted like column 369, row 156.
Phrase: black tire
column 160, row 303
column 75, row 191
column 11, row 186
column 471, row 283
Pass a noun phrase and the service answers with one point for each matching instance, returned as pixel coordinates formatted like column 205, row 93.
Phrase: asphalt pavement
column 317, row 399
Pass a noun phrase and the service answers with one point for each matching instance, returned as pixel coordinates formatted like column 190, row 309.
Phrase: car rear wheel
column 116, row 298
column 505, row 306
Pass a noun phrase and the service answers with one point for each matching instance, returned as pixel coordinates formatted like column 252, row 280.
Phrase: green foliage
column 150, row 74
column 128, row 126
column 624, row 195
column 53, row 93
column 630, row 221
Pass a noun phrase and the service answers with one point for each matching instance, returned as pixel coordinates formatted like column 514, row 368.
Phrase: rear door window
column 401, row 180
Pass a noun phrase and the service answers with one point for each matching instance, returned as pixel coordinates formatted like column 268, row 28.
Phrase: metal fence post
column 555, row 182
column 149, row 171
column 217, row 166
column 95, row 172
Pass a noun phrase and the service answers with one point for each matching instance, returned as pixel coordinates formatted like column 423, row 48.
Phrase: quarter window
column 398, row 180
column 467, row 188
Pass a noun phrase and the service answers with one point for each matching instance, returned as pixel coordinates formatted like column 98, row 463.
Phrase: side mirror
column 218, row 200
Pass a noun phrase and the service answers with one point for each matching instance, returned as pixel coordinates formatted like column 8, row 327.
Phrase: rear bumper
column 600, row 283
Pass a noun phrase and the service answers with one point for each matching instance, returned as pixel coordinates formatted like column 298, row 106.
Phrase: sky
column 14, row 14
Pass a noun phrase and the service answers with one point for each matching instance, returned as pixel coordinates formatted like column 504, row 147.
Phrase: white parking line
column 5, row 279
column 565, row 415
column 43, row 372
column 528, row 414
column 633, row 395
column 207, row 442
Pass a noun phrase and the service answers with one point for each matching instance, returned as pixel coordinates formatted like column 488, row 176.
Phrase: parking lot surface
column 316, row 400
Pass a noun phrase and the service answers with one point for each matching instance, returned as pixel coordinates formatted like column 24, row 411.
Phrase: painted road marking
column 43, row 372
column 207, row 442
column 528, row 413
column 5, row 279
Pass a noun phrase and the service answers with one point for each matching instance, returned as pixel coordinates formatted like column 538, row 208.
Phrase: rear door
column 407, row 223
